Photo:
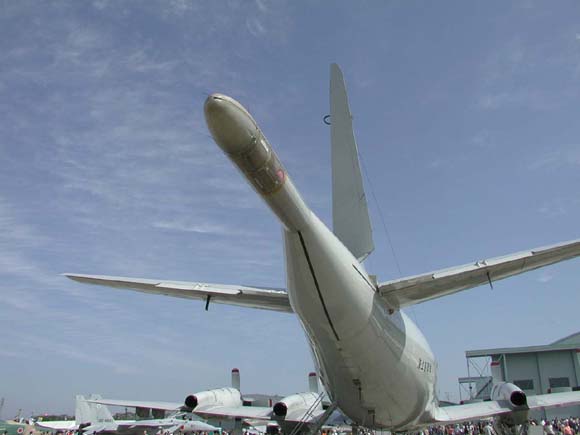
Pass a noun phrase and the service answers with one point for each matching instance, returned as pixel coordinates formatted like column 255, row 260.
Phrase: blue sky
column 466, row 116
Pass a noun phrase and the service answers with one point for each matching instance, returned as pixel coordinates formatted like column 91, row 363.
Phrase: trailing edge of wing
column 568, row 398
column 166, row 406
column 254, row 412
column 421, row 288
column 57, row 425
column 469, row 411
column 479, row 410
column 252, row 297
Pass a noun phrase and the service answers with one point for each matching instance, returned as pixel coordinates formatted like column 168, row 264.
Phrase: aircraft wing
column 420, row 288
column 253, row 412
column 100, row 427
column 470, row 411
column 479, row 410
column 166, row 406
column 170, row 424
column 252, row 297
column 57, row 425
column 569, row 398
column 299, row 415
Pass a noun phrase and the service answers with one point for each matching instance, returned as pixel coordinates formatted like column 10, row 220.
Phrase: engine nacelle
column 295, row 405
column 219, row 396
column 509, row 392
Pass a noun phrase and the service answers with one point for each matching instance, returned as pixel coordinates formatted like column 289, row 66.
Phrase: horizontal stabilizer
column 420, row 288
column 252, row 297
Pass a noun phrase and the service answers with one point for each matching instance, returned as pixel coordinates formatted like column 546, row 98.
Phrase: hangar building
column 541, row 369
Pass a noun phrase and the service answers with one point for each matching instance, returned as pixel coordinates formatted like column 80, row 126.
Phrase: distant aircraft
column 376, row 365
column 19, row 427
column 86, row 413
column 300, row 409
column 15, row 428
column 92, row 417
column 178, row 423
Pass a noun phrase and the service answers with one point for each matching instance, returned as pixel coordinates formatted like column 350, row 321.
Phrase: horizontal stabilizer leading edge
column 421, row 288
column 240, row 295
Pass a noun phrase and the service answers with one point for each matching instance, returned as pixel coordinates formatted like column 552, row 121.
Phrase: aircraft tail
column 350, row 215
column 93, row 413
column 82, row 410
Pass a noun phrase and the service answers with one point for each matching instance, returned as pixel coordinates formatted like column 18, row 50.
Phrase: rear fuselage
column 374, row 362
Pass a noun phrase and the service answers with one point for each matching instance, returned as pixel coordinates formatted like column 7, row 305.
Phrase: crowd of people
column 560, row 426
column 557, row 426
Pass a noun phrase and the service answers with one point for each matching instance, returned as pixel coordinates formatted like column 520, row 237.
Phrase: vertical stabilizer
column 82, row 410
column 97, row 413
column 350, row 215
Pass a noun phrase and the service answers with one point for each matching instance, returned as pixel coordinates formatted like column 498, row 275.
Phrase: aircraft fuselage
column 374, row 363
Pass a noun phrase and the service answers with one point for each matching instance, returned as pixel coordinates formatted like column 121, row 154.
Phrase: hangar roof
column 571, row 342
column 570, row 339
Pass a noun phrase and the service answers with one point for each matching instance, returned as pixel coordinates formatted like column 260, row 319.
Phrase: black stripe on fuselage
column 317, row 286
column 373, row 288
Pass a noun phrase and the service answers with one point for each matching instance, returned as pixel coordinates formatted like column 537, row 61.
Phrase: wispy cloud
column 557, row 207
column 550, row 160
column 522, row 98
column 255, row 27
column 203, row 228
column 58, row 349
column 14, row 232
column 506, row 61
column 513, row 74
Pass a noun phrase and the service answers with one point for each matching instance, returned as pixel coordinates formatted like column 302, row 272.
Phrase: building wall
column 540, row 368
column 520, row 367
column 557, row 365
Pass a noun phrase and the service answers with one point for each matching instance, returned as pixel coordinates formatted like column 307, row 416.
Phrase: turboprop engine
column 217, row 397
column 296, row 405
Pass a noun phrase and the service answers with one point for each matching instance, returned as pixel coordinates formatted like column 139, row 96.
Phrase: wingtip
column 76, row 277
